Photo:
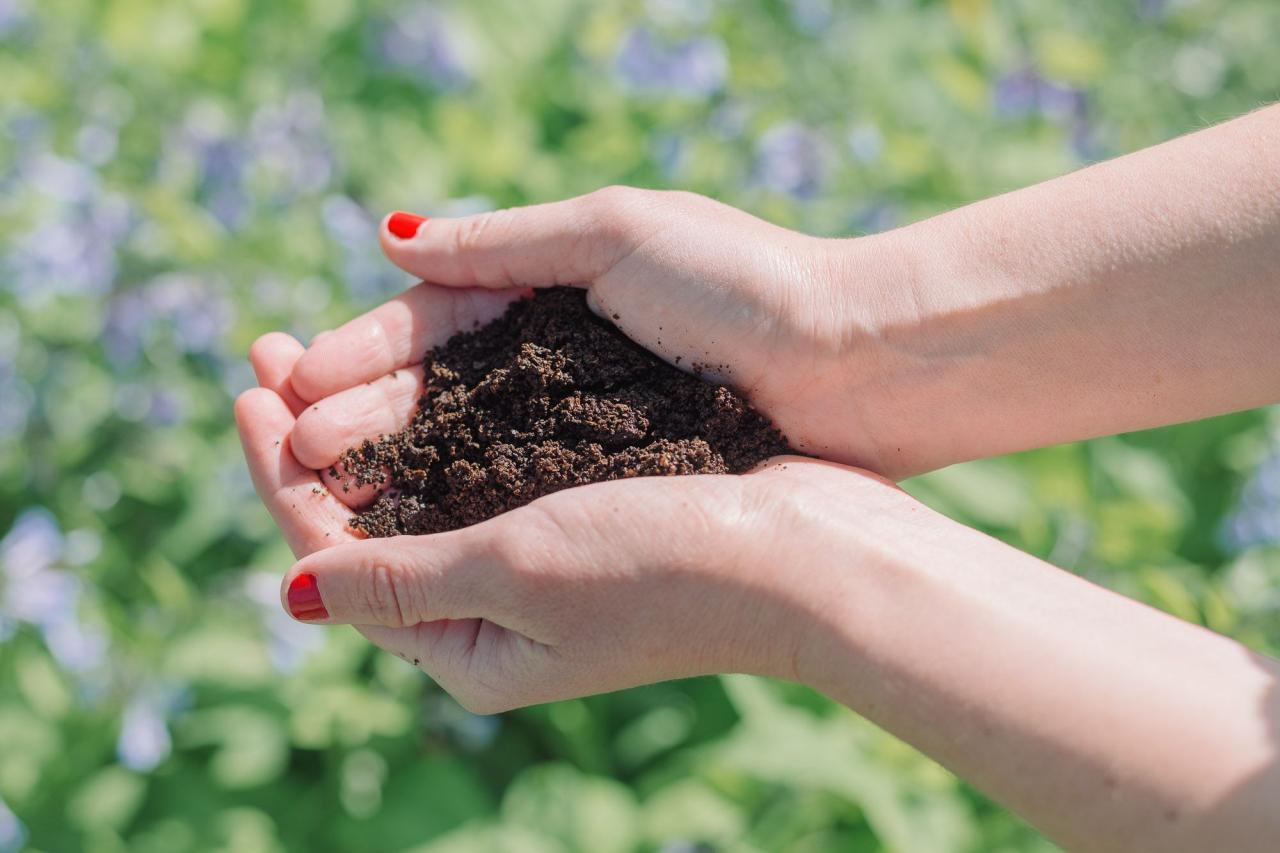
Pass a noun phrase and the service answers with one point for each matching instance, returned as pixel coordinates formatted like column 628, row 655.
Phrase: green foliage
column 178, row 177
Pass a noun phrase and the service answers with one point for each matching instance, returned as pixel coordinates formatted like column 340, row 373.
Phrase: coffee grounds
column 546, row 397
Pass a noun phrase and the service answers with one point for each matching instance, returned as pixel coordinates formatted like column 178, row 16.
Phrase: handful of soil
column 547, row 397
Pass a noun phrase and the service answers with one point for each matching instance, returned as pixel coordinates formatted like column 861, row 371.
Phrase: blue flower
column 32, row 545
column 419, row 40
column 289, row 148
column 13, row 835
column 792, row 159
column 1025, row 92
column 1256, row 519
column 697, row 67
column 144, row 740
column 195, row 311
column 38, row 593
column 70, row 246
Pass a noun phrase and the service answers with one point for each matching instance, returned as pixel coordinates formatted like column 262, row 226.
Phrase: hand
column 573, row 594
column 704, row 286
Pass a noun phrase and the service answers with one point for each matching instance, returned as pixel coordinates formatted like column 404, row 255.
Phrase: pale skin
column 1137, row 292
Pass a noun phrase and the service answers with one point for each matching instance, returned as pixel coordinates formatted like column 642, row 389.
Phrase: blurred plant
column 178, row 178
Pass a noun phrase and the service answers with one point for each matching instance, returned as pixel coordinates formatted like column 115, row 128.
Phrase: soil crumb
column 547, row 397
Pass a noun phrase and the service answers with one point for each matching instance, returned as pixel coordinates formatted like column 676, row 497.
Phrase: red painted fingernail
column 404, row 225
column 305, row 602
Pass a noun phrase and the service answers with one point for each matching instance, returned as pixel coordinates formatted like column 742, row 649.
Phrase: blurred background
column 179, row 176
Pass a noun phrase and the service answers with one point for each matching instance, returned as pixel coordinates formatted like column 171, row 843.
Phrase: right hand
column 703, row 285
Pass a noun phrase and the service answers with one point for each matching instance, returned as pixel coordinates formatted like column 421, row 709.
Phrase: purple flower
column 96, row 143
column 13, row 835
column 32, row 545
column 70, row 246
column 1025, row 92
column 74, row 644
column 168, row 406
column 195, row 311
column 696, row 67
column 419, row 40
column 792, row 159
column 1256, row 519
column 289, row 147
column 37, row 593
column 207, row 144
column 144, row 740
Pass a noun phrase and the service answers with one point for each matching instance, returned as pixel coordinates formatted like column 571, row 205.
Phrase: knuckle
column 613, row 204
column 388, row 597
column 470, row 233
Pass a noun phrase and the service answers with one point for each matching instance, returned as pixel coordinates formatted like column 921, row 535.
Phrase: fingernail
column 305, row 602
column 404, row 225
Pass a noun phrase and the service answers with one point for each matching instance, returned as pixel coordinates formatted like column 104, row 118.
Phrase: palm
column 306, row 510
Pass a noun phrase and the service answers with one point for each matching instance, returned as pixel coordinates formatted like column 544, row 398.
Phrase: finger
column 273, row 356
column 345, row 488
column 309, row 516
column 392, row 336
column 565, row 242
column 346, row 419
column 400, row 581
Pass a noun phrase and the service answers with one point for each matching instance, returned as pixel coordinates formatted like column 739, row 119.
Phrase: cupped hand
column 586, row 590
column 706, row 287
column 606, row 586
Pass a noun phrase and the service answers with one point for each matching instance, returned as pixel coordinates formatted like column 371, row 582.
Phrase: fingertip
column 273, row 356
column 301, row 596
column 257, row 404
column 401, row 225
column 276, row 344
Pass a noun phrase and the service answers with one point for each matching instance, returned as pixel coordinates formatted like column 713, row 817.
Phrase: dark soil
column 547, row 397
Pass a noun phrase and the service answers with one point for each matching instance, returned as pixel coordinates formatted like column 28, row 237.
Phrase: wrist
column 851, row 541
column 895, row 359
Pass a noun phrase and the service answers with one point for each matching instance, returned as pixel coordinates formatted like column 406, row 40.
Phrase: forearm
column 1138, row 292
column 1105, row 723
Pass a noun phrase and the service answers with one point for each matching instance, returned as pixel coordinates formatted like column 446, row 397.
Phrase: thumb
column 565, row 242
column 396, row 582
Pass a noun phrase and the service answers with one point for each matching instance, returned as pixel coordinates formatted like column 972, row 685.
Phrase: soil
column 547, row 397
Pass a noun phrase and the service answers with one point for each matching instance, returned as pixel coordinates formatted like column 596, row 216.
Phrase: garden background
column 179, row 177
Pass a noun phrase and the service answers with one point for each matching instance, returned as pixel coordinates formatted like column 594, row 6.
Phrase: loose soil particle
column 547, row 397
